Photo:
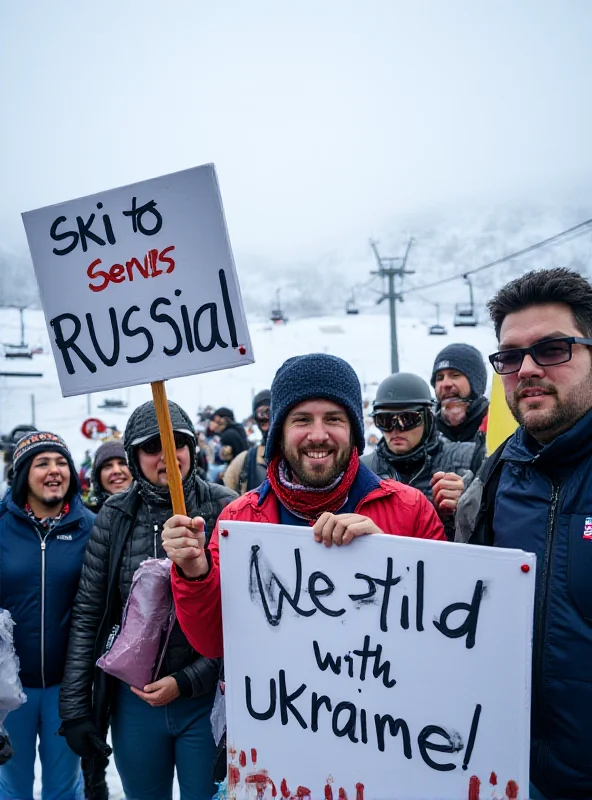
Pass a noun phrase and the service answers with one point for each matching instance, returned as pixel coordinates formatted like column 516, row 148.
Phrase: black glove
column 83, row 738
column 6, row 751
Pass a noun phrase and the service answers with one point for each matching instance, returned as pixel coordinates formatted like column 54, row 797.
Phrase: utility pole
column 387, row 269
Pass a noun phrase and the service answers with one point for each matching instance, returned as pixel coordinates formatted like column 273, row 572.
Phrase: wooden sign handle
column 168, row 444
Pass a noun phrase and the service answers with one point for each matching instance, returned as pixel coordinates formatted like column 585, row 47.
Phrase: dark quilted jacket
column 543, row 504
column 126, row 532
column 437, row 454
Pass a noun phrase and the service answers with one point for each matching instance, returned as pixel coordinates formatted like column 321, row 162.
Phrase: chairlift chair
column 464, row 316
column 437, row 329
column 17, row 351
column 113, row 403
column 351, row 307
column 464, row 313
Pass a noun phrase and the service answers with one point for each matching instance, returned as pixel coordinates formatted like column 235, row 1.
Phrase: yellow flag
column 500, row 423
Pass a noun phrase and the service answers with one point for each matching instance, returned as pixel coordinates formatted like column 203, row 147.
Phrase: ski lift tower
column 387, row 269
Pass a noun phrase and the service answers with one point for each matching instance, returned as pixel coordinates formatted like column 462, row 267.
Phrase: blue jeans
column 149, row 742
column 60, row 767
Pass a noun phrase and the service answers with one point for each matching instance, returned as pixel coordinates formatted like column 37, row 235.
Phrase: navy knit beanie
column 466, row 359
column 310, row 377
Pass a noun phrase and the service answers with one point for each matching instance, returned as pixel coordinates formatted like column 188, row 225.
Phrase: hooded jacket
column 395, row 508
column 128, row 531
column 539, row 499
column 39, row 573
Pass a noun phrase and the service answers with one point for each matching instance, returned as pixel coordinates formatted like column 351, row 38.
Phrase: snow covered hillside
column 362, row 340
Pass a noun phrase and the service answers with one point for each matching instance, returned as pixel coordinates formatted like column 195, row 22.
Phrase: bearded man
column 535, row 493
column 314, row 479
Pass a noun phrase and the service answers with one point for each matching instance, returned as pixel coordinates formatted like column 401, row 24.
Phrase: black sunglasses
column 545, row 354
column 153, row 446
column 262, row 415
column 403, row 420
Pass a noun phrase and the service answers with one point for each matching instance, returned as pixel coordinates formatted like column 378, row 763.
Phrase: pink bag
column 135, row 652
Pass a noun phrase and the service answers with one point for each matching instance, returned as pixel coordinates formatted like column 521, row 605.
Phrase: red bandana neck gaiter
column 309, row 503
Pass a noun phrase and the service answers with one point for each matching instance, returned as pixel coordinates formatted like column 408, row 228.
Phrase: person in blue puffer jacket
column 535, row 493
column 44, row 528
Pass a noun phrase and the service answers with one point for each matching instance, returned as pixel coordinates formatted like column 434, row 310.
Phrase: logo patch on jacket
column 67, row 537
column 588, row 528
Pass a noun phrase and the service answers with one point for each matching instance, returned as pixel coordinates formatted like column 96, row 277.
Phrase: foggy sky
column 325, row 118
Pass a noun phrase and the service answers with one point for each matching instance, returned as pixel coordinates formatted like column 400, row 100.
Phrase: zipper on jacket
column 42, row 609
column 155, row 537
column 417, row 474
column 541, row 610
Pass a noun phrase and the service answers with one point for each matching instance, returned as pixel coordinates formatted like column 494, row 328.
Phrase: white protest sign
column 390, row 669
column 138, row 284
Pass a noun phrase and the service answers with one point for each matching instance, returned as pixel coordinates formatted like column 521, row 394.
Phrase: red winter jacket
column 394, row 507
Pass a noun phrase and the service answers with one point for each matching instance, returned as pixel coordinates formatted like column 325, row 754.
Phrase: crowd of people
column 66, row 568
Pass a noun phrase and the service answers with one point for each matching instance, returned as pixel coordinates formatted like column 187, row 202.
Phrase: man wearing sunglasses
column 535, row 493
column 249, row 469
column 315, row 479
column 164, row 725
column 411, row 449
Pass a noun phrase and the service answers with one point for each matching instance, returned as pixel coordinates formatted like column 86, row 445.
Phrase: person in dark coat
column 535, row 493
column 249, row 469
column 165, row 725
column 412, row 451
column 110, row 474
column 44, row 529
column 459, row 378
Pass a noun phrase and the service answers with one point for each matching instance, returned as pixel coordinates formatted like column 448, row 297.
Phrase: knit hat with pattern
column 29, row 446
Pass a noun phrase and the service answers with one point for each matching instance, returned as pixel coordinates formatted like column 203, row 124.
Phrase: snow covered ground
column 362, row 340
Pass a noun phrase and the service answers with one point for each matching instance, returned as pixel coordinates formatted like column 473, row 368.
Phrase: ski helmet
column 403, row 389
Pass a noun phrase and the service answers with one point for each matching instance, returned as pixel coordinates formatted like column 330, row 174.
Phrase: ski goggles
column 403, row 420
column 153, row 446
column 545, row 354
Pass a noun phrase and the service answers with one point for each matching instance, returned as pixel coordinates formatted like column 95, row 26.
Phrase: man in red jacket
column 314, row 479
